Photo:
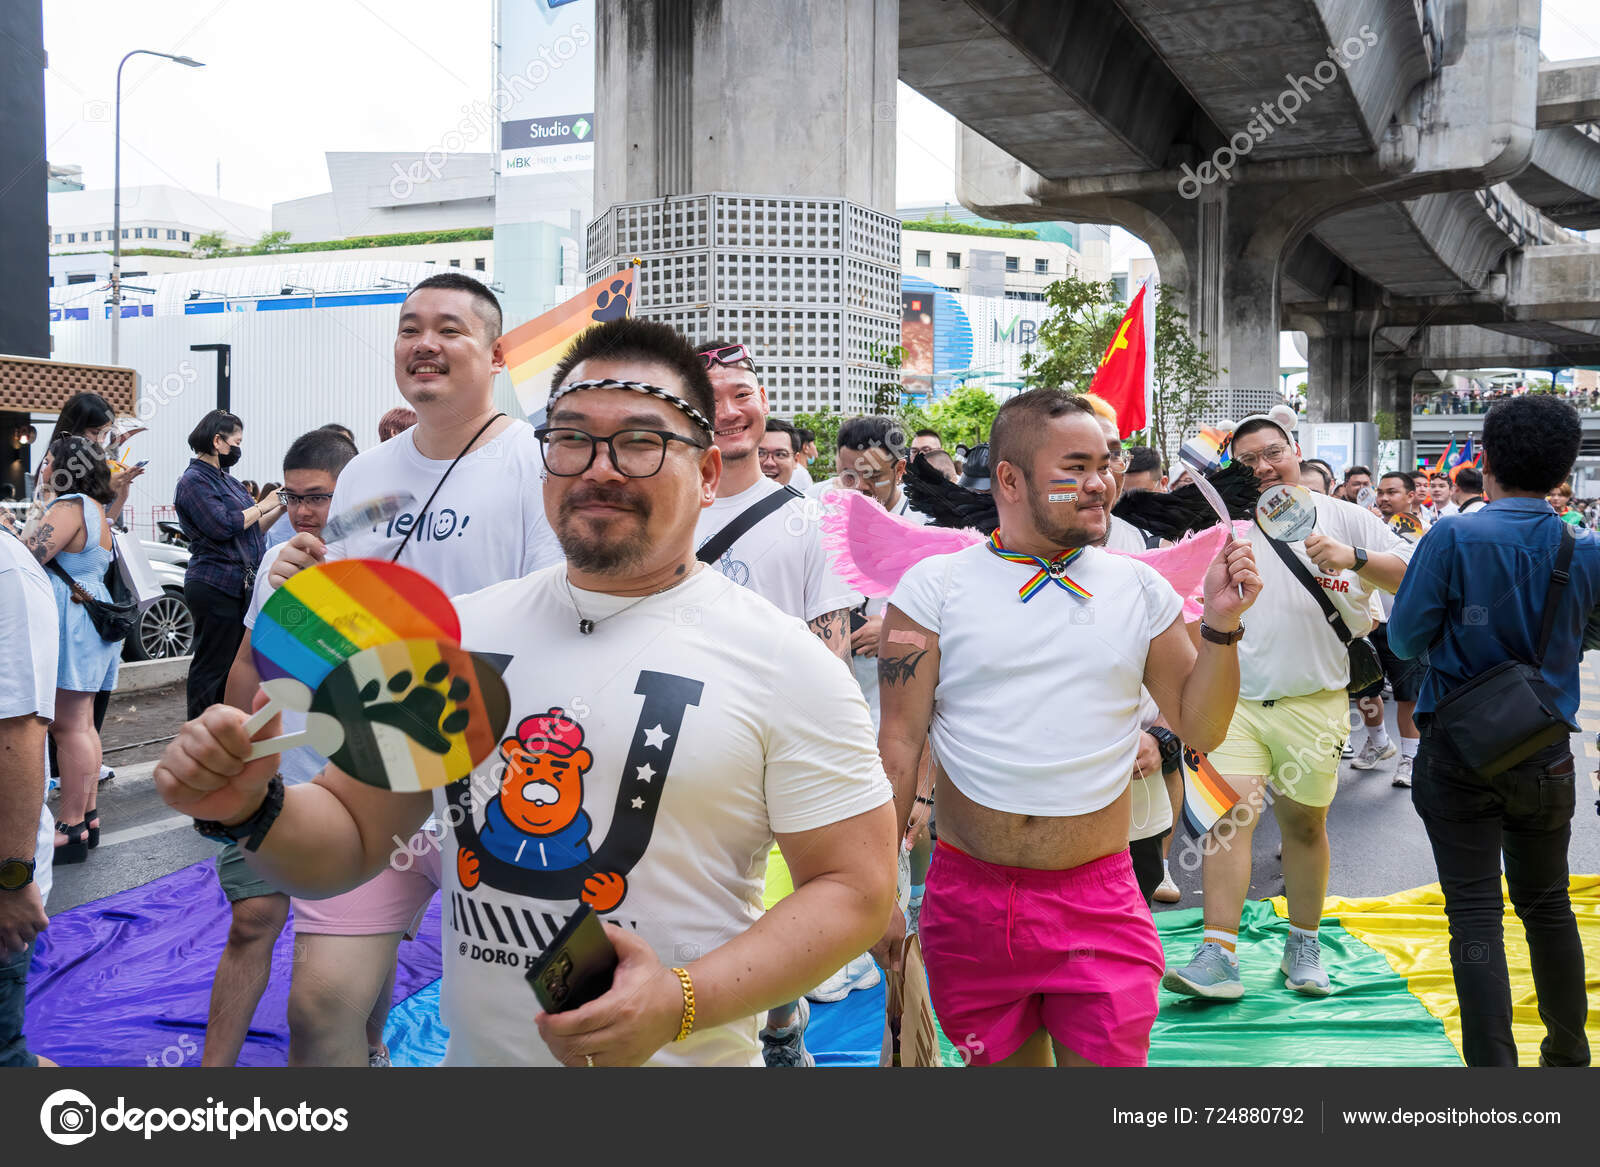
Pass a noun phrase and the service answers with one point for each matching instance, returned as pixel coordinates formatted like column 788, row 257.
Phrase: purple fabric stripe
column 126, row 980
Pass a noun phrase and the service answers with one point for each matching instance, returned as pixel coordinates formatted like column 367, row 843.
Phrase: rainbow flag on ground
column 532, row 349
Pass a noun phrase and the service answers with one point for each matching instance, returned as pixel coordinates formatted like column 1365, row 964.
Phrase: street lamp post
column 116, row 199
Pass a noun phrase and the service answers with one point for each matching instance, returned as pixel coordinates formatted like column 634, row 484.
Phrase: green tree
column 270, row 241
column 1084, row 323
column 963, row 417
column 210, row 244
column 825, row 425
column 1081, row 325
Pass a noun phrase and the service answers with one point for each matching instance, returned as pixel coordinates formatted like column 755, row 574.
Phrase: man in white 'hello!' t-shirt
column 666, row 726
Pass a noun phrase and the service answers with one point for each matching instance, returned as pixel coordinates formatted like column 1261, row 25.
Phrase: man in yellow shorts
column 1291, row 722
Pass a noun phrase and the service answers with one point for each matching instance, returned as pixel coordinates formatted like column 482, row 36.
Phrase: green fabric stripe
column 1370, row 1019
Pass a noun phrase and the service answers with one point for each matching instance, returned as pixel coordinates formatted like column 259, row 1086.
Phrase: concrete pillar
column 1339, row 387
column 745, row 158
column 795, row 98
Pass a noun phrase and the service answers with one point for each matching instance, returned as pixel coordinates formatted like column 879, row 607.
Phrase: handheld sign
column 1365, row 497
column 326, row 614
column 1286, row 513
column 1404, row 524
column 408, row 715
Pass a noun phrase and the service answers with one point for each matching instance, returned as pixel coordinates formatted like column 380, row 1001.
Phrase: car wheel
column 166, row 629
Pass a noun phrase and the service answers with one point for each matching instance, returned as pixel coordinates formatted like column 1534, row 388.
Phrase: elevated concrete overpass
column 1339, row 157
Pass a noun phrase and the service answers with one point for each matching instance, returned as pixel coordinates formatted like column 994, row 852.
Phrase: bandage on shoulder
column 914, row 639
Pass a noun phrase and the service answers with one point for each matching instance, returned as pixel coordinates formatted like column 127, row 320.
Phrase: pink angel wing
column 1184, row 564
column 871, row 549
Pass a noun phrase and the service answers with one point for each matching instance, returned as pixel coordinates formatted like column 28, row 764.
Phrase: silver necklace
column 587, row 626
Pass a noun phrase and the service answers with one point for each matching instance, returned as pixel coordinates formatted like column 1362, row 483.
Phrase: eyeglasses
column 310, row 500
column 567, row 453
column 775, row 455
column 734, row 354
column 1270, row 454
column 1119, row 462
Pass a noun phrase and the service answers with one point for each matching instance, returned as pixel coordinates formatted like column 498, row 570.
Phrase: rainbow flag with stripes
column 532, row 349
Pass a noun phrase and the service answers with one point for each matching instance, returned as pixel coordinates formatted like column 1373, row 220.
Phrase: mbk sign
column 1019, row 331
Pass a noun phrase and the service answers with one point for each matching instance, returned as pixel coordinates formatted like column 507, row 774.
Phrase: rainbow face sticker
column 1064, row 489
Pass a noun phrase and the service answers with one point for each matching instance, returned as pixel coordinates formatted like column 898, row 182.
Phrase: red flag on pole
column 1126, row 376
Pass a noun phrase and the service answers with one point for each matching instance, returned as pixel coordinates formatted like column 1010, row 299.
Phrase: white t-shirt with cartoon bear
column 647, row 768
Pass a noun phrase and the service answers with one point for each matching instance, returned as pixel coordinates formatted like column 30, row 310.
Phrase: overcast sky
column 288, row 81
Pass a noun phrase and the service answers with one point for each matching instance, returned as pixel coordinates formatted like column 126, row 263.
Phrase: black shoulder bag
column 1509, row 712
column 714, row 548
column 1365, row 668
column 114, row 621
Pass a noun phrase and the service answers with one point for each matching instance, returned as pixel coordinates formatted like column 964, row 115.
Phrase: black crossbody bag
column 713, row 548
column 1366, row 669
column 1509, row 712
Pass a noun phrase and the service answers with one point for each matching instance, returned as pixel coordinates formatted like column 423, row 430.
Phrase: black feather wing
column 946, row 503
column 1174, row 514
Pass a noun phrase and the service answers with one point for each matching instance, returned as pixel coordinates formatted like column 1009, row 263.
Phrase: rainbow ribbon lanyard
column 1053, row 571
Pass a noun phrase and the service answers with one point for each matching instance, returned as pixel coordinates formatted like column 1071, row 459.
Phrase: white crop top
column 1037, row 705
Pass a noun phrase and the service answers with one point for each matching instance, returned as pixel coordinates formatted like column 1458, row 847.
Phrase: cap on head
column 975, row 471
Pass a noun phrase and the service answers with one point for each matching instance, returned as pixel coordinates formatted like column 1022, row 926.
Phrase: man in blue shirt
column 1473, row 598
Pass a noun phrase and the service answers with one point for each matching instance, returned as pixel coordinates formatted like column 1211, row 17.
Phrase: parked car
column 165, row 628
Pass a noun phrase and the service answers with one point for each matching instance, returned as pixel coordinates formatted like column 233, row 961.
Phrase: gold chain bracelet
column 687, row 1027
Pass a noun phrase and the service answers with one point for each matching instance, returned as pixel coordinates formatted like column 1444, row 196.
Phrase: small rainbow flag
column 1055, row 571
column 532, row 349
column 1207, row 451
column 1206, row 794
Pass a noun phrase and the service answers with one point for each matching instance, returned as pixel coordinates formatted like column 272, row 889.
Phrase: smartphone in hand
column 578, row 965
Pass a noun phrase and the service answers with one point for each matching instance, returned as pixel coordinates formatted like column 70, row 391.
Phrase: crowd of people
column 1458, row 401
column 986, row 757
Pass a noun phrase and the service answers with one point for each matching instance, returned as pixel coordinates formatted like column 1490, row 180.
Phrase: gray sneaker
column 1209, row 973
column 787, row 1046
column 1402, row 773
column 1371, row 755
column 1302, row 967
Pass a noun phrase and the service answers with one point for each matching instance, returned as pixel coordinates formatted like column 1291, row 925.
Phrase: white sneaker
column 1371, row 755
column 1167, row 891
column 860, row 973
column 1402, row 773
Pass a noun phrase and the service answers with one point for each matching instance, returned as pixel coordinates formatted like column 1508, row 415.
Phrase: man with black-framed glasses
column 666, row 727
column 1291, row 721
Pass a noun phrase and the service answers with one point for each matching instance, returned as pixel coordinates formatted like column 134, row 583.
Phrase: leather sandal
column 76, row 848
column 91, row 820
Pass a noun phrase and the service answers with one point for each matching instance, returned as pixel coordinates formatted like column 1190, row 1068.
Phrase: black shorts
column 1405, row 676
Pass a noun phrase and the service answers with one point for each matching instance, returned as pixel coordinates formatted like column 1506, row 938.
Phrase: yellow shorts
column 1293, row 742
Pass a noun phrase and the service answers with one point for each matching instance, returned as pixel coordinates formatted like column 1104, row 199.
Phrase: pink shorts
column 394, row 900
column 1012, row 949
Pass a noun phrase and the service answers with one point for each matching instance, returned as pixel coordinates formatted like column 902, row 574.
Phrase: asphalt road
column 1378, row 842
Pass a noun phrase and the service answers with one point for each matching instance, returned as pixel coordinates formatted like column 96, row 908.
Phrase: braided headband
column 690, row 411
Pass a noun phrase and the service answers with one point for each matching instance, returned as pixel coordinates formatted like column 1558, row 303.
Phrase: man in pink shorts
column 1022, row 658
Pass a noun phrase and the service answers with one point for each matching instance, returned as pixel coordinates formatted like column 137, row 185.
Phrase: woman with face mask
column 226, row 531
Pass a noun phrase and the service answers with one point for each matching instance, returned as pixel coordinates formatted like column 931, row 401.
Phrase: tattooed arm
column 908, row 674
column 832, row 628
column 57, row 531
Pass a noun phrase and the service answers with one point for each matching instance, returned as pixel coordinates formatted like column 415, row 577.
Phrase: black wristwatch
column 1171, row 747
column 253, row 829
column 15, row 874
column 1209, row 633
column 1361, row 559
